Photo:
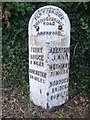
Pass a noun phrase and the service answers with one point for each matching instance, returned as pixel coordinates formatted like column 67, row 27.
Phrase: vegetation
column 16, row 17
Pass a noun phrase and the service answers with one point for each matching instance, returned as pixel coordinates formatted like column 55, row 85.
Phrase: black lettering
column 37, row 49
column 52, row 90
column 39, row 73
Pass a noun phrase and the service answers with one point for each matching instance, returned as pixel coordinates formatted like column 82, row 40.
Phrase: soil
column 15, row 104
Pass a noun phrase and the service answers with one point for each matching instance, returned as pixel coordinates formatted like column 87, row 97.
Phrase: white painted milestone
column 49, row 57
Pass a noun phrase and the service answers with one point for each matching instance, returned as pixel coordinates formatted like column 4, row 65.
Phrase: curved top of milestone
column 49, row 20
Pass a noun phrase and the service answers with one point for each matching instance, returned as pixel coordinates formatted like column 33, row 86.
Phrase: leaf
column 60, row 117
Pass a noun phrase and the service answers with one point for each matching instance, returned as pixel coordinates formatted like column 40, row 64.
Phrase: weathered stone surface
column 49, row 56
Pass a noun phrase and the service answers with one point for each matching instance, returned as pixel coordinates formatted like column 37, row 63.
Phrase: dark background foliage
column 15, row 19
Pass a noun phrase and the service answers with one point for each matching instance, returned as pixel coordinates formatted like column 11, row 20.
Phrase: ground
column 17, row 105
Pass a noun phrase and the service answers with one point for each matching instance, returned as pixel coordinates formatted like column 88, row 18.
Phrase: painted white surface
column 49, row 56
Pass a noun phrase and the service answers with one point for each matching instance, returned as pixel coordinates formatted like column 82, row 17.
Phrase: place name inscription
column 59, row 50
column 59, row 54
column 38, row 76
column 50, row 21
column 59, row 88
column 58, row 82
column 37, row 72
column 36, row 56
column 49, row 33
column 48, row 11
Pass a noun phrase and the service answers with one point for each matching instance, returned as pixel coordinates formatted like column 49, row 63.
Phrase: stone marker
column 49, row 56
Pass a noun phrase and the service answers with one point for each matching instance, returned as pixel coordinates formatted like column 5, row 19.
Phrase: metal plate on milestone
column 49, row 56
